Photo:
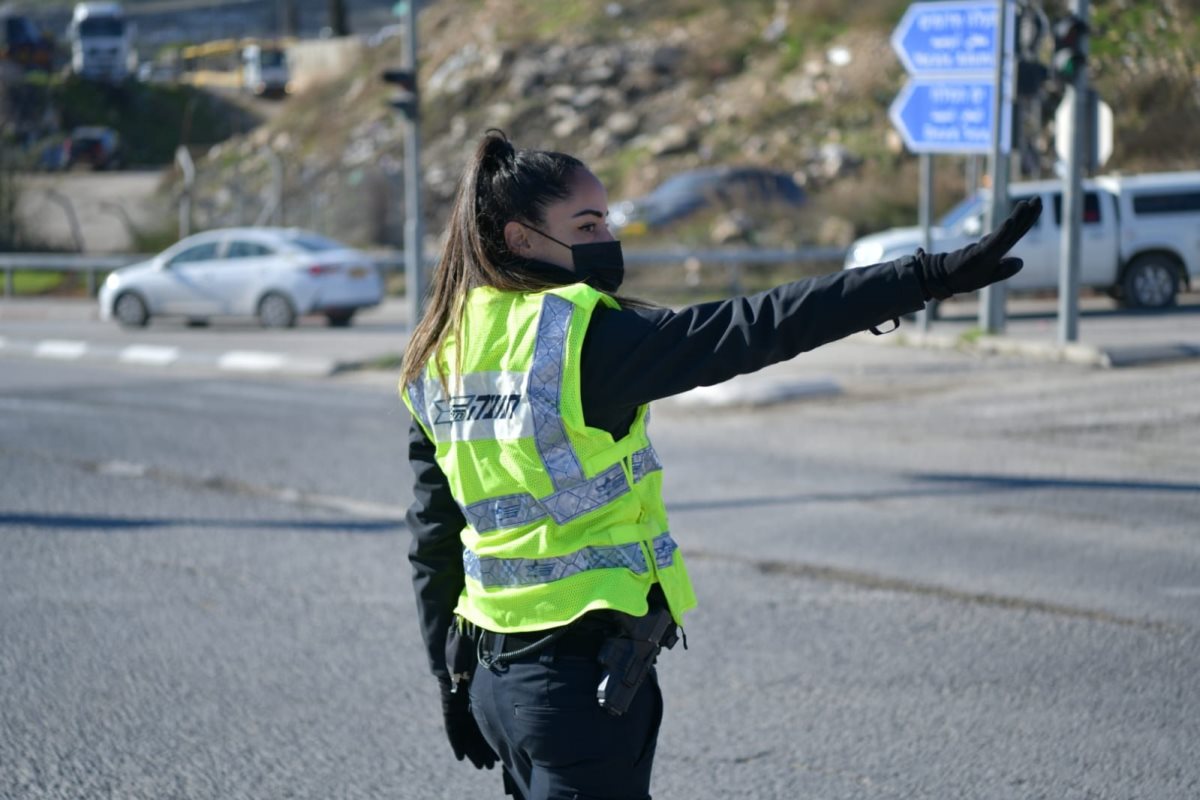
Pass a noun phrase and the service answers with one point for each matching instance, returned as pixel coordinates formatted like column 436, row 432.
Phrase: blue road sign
column 951, row 115
column 949, row 38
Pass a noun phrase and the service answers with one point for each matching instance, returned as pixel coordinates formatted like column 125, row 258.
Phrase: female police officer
column 540, row 540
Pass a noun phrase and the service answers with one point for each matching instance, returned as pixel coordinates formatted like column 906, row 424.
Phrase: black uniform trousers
column 539, row 713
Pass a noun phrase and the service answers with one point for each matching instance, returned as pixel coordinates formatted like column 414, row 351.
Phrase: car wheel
column 130, row 311
column 1151, row 281
column 340, row 319
column 276, row 311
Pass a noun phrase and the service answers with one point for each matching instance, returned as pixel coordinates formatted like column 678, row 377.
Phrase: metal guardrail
column 394, row 260
column 803, row 255
column 62, row 262
column 66, row 262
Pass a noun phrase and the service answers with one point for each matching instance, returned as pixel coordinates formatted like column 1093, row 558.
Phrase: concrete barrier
column 318, row 61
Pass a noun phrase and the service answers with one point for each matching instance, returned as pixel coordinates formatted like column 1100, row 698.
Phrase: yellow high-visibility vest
column 561, row 518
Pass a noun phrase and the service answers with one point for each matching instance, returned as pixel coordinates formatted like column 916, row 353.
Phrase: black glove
column 462, row 730
column 980, row 264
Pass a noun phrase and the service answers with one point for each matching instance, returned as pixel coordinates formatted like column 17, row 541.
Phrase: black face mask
column 598, row 264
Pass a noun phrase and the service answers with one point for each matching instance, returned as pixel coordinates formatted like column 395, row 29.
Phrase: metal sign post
column 414, row 276
column 956, row 100
column 925, row 212
column 1072, row 209
column 992, row 298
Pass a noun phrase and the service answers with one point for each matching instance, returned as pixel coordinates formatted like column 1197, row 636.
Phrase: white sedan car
column 275, row 274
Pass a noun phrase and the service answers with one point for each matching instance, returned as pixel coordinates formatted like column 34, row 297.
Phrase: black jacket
column 633, row 356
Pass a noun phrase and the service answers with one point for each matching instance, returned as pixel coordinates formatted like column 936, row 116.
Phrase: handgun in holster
column 628, row 657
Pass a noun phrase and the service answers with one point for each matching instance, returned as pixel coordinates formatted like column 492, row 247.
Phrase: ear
column 516, row 237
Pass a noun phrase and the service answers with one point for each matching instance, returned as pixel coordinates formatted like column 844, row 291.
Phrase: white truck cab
column 1140, row 240
column 265, row 70
column 102, row 42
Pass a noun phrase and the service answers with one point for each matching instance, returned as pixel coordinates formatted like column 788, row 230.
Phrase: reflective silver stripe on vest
column 416, row 393
column 508, row 572
column 562, row 506
column 545, row 390
column 644, row 462
column 509, row 511
column 664, row 550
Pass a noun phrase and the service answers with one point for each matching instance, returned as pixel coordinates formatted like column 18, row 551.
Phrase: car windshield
column 313, row 243
column 272, row 58
column 102, row 26
column 967, row 208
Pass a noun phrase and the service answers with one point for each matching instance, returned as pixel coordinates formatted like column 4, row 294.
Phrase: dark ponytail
column 517, row 185
column 499, row 185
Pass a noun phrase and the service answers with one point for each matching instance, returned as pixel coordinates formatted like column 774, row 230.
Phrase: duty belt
column 583, row 637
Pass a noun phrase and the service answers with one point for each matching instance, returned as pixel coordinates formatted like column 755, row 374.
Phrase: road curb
column 1083, row 354
column 1077, row 353
column 754, row 392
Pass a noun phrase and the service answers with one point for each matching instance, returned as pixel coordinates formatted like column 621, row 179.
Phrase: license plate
column 358, row 272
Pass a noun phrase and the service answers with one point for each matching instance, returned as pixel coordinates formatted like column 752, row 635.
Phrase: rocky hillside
column 641, row 91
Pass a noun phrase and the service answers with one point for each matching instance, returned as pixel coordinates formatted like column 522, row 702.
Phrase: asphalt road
column 960, row 577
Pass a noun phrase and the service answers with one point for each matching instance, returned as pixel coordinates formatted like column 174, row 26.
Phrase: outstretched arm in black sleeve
column 637, row 355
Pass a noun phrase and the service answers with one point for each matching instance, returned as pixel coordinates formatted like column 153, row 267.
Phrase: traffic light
column 1069, row 54
column 405, row 100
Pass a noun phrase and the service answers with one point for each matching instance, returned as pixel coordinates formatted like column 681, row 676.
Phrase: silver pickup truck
column 1140, row 237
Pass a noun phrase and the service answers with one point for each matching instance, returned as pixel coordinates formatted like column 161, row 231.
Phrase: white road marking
column 250, row 361
column 359, row 508
column 157, row 355
column 60, row 348
column 121, row 469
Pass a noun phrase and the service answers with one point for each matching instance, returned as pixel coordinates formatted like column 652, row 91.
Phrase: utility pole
column 286, row 17
column 925, row 216
column 1070, row 62
column 407, row 102
column 414, row 266
column 991, row 298
column 338, row 22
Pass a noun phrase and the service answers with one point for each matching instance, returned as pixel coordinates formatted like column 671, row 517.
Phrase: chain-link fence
column 363, row 206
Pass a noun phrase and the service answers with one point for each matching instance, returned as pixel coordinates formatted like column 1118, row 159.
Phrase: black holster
column 628, row 656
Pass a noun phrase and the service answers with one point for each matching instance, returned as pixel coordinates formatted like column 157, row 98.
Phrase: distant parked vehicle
column 24, row 44
column 157, row 72
column 258, row 66
column 53, row 155
column 102, row 42
column 1140, row 240
column 274, row 274
column 721, row 188
column 265, row 70
column 94, row 146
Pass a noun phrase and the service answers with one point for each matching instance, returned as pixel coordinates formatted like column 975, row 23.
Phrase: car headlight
column 868, row 253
